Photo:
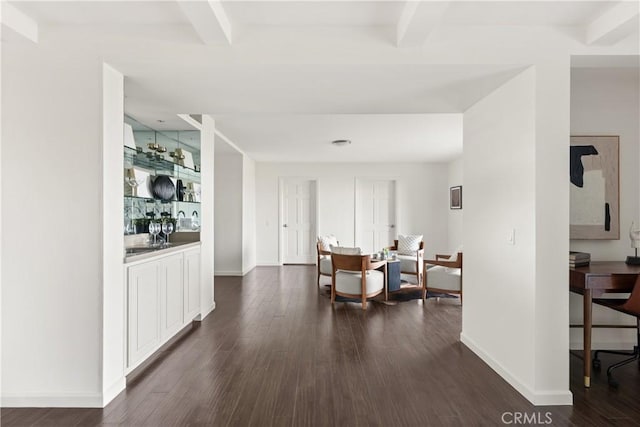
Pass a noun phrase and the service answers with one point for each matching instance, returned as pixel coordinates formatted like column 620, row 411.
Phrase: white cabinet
column 191, row 284
column 171, row 284
column 143, row 310
column 163, row 296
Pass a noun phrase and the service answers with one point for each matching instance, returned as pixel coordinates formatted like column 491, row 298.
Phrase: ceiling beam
column 209, row 20
column 417, row 21
column 189, row 119
column 19, row 22
column 614, row 24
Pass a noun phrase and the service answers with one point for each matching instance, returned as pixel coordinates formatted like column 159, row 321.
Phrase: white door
column 298, row 218
column 375, row 214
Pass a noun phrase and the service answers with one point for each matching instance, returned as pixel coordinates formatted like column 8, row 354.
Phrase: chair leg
column 333, row 292
column 635, row 355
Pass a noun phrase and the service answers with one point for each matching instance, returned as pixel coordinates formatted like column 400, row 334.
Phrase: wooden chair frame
column 441, row 260
column 321, row 252
column 356, row 263
column 419, row 261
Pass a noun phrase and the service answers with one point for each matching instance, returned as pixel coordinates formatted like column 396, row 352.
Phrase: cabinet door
column 143, row 311
column 191, row 285
column 171, row 294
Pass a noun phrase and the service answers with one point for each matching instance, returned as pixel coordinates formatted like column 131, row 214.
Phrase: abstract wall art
column 594, row 188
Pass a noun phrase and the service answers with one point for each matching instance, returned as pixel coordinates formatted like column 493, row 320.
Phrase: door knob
column 284, row 225
column 393, row 226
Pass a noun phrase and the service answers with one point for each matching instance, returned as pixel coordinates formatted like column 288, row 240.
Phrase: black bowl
column 163, row 188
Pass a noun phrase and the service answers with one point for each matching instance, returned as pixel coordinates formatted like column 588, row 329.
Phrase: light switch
column 511, row 236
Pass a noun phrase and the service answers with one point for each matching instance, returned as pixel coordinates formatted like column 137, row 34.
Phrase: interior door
column 298, row 220
column 375, row 214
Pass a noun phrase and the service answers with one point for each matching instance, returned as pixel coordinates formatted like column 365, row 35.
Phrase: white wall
column 512, row 310
column 605, row 101
column 499, row 195
column 228, row 213
column 551, row 359
column 113, row 294
column 207, row 207
column 51, row 222
column 422, row 198
column 248, row 214
column 455, row 215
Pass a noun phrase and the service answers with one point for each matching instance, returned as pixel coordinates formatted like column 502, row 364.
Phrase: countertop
column 143, row 253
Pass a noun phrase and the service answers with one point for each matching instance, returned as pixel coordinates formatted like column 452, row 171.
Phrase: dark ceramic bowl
column 163, row 188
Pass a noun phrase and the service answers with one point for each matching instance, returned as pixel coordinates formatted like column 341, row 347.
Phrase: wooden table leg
column 386, row 282
column 587, row 299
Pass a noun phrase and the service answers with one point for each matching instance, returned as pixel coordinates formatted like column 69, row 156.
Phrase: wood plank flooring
column 274, row 352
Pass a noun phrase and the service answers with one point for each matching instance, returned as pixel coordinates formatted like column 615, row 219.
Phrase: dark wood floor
column 274, row 352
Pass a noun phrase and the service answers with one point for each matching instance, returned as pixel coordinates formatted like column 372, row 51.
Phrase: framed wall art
column 455, row 197
column 594, row 172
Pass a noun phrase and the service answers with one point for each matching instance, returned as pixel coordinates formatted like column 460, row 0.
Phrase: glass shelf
column 141, row 163
column 151, row 199
column 161, row 166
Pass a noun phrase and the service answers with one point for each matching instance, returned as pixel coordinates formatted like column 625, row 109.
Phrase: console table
column 593, row 281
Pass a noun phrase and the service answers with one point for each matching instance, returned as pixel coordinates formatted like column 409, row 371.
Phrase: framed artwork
column 455, row 197
column 594, row 189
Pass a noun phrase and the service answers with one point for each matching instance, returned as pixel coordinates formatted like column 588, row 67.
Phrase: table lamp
column 634, row 235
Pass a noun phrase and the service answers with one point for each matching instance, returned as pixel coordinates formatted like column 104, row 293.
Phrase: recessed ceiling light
column 341, row 142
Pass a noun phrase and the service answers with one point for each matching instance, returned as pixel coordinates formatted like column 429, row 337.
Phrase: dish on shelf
column 163, row 188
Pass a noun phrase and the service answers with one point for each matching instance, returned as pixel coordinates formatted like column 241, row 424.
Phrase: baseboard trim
column 540, row 398
column 228, row 273
column 268, row 264
column 597, row 345
column 207, row 312
column 132, row 373
column 114, row 390
column 247, row 270
column 55, row 400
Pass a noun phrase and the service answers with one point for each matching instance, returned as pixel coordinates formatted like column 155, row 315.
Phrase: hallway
column 274, row 352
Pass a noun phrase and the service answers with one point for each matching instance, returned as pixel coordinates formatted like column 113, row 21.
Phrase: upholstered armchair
column 410, row 252
column 443, row 274
column 324, row 255
column 355, row 276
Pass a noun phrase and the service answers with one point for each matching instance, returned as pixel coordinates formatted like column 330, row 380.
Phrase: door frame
column 359, row 179
column 281, row 183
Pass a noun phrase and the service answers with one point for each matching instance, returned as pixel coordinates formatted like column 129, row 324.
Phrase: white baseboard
column 247, row 270
column 206, row 312
column 112, row 391
column 598, row 345
column 538, row 398
column 268, row 264
column 228, row 273
column 56, row 400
